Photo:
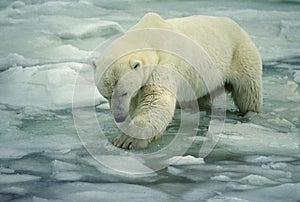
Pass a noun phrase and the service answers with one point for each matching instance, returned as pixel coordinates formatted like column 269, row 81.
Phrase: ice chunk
column 133, row 166
column 11, row 119
column 297, row 76
column 111, row 175
column 281, row 166
column 258, row 140
column 11, row 153
column 295, row 97
column 174, row 171
column 66, row 171
column 286, row 90
column 14, row 59
column 68, row 176
column 17, row 4
column 12, row 148
column 185, row 160
column 284, row 192
column 13, row 190
column 279, row 24
column 59, row 166
column 17, row 178
column 256, row 180
column 267, row 159
column 54, row 25
column 289, row 30
column 38, row 199
column 69, row 28
column 46, row 86
column 33, row 113
column 222, row 178
column 226, row 199
column 201, row 191
column 281, row 123
column 6, row 170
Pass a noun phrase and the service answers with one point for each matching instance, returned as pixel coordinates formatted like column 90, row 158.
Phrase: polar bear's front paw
column 126, row 142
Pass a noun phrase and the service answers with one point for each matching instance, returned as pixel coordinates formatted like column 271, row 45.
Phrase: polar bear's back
column 208, row 29
column 217, row 35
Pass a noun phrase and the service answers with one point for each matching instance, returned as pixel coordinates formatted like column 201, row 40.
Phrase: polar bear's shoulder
column 151, row 17
column 152, row 20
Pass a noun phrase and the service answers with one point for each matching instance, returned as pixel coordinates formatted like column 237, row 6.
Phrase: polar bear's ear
column 135, row 64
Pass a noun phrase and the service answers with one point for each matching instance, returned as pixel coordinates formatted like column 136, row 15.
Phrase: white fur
column 228, row 48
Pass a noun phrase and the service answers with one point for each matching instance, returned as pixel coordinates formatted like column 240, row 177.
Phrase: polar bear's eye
column 136, row 64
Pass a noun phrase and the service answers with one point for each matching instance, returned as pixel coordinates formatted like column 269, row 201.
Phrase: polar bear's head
column 122, row 80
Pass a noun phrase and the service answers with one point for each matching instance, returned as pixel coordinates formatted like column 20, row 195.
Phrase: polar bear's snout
column 119, row 115
column 120, row 105
column 127, row 86
column 120, row 119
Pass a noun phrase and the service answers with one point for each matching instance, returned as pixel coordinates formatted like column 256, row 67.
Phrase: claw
column 130, row 146
column 125, row 142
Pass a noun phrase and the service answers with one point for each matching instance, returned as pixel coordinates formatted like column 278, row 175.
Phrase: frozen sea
column 46, row 44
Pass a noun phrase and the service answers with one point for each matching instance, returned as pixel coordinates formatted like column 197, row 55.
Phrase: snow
column 44, row 55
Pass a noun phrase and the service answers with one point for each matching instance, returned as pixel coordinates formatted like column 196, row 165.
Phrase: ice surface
column 286, row 192
column 17, row 178
column 16, row 143
column 79, row 191
column 134, row 166
column 44, row 52
column 245, row 135
column 45, row 86
column 30, row 165
column 48, row 34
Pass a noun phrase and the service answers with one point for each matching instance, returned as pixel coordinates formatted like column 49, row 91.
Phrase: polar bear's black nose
column 119, row 119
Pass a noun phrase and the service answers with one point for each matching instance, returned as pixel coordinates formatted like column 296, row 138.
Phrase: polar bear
column 130, row 79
